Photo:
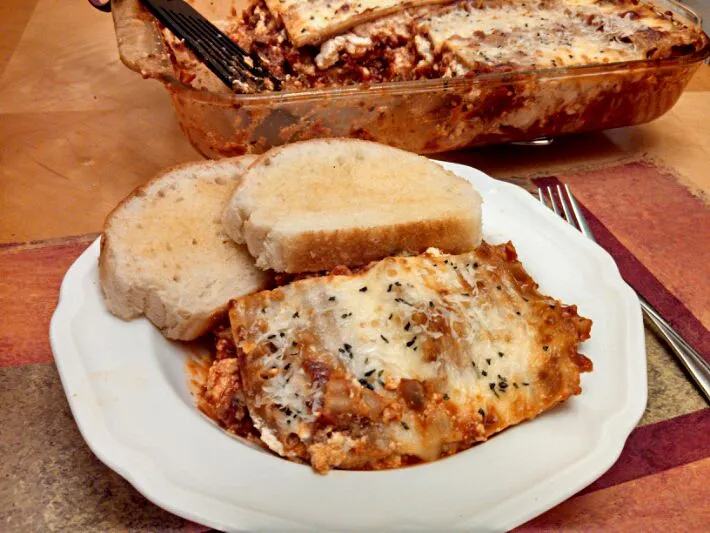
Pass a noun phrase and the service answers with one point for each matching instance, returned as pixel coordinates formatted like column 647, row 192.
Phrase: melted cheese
column 341, row 314
column 462, row 324
column 543, row 33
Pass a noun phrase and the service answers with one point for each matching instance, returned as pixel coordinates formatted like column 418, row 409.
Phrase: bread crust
column 312, row 251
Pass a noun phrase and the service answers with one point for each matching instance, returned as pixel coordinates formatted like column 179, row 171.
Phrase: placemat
column 53, row 481
column 658, row 232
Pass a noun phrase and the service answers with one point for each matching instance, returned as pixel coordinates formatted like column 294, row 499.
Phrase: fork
column 697, row 367
column 233, row 65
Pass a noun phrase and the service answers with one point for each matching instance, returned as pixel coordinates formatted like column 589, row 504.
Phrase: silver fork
column 696, row 366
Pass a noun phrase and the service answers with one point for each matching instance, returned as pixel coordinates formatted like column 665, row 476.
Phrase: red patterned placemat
column 658, row 232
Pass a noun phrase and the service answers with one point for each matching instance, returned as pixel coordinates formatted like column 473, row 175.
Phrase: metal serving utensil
column 227, row 60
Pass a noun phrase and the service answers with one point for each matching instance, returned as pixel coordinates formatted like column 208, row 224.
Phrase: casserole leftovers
column 630, row 63
column 319, row 44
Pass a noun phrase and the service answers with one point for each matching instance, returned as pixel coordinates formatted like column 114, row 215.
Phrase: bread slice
column 314, row 205
column 164, row 253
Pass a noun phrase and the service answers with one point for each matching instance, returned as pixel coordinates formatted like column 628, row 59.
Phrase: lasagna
column 408, row 360
column 319, row 44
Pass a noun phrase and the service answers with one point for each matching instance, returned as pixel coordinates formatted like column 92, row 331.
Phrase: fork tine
column 553, row 202
column 568, row 213
column 583, row 226
column 541, row 197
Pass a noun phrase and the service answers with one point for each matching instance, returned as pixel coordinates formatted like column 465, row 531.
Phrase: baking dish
column 423, row 116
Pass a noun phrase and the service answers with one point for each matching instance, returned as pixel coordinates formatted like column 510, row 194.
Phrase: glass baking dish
column 423, row 116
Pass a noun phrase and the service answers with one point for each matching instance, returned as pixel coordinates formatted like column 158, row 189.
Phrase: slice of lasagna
column 409, row 360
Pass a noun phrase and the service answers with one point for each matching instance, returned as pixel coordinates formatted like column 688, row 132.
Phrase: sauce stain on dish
column 197, row 368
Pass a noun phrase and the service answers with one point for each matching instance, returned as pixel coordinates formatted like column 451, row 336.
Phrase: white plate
column 127, row 389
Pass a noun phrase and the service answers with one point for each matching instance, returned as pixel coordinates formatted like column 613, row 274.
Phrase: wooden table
column 78, row 131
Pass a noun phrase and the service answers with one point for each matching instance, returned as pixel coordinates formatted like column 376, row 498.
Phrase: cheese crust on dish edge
column 408, row 360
